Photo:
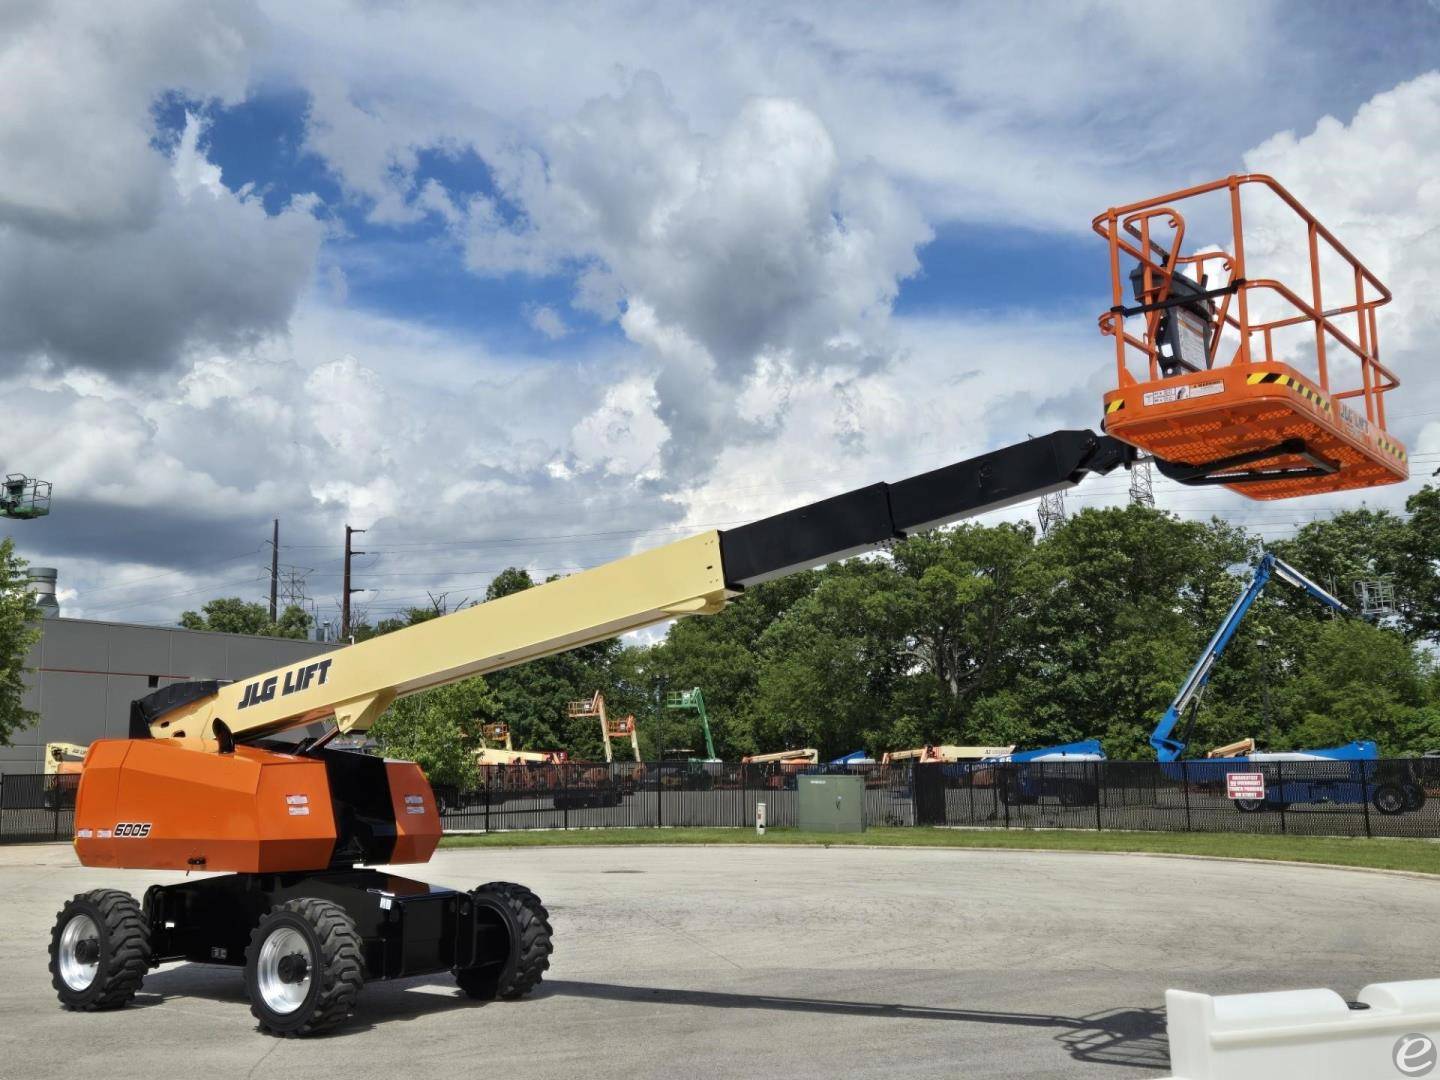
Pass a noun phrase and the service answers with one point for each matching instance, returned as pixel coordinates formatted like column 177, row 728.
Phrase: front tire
column 99, row 950
column 531, row 943
column 304, row 967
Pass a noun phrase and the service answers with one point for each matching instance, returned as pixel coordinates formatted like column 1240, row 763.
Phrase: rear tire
column 1389, row 799
column 99, row 950
column 304, row 967
column 1249, row 806
column 531, row 944
column 1414, row 797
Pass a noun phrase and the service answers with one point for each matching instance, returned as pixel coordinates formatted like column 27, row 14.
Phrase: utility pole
column 347, row 590
column 274, row 567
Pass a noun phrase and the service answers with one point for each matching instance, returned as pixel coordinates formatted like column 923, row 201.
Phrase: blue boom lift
column 1354, row 778
column 1073, row 787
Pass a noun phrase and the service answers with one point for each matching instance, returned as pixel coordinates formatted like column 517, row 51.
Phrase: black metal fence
column 1397, row 797
column 653, row 795
column 37, row 807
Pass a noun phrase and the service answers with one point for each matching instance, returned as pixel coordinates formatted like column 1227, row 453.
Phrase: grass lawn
column 1420, row 856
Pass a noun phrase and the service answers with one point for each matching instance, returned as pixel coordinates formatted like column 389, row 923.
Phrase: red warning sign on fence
column 1245, row 785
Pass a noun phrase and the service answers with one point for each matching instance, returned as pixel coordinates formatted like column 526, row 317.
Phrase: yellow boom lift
column 507, row 755
column 63, row 762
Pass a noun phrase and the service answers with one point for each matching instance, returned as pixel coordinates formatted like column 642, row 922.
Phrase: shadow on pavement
column 1125, row 1037
column 1133, row 1037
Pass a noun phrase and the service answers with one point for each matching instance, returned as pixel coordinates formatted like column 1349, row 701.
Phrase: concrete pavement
column 764, row 962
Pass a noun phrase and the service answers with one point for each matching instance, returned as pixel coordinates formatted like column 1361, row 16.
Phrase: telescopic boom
column 694, row 576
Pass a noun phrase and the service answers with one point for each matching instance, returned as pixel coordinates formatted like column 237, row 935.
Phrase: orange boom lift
column 242, row 778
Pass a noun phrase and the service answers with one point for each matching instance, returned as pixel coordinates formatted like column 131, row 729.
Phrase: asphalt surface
column 764, row 962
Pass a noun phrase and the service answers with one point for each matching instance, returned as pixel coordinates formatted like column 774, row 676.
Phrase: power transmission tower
column 292, row 586
column 1142, row 487
column 1051, row 511
column 346, row 590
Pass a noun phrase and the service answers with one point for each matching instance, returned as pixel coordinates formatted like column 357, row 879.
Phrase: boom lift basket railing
column 1247, row 380
column 24, row 497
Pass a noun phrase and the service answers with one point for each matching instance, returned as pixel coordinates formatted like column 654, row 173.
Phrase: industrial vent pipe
column 42, row 583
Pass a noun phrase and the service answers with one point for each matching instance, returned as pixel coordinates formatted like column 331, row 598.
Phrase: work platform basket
column 1240, row 374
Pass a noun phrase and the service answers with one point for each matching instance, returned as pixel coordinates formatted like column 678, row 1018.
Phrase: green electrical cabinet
column 831, row 803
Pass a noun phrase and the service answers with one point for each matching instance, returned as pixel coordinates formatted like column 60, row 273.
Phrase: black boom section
column 1002, row 477
column 867, row 517
column 830, row 529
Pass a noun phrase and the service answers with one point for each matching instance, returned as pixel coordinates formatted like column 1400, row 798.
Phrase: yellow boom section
column 358, row 683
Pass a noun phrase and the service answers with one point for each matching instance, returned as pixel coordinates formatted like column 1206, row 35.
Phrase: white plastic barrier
column 1309, row 1034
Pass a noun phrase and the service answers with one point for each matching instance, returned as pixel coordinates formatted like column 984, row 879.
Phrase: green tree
column 512, row 579
column 721, row 654
column 830, row 665
column 440, row 729
column 1121, row 601
column 18, row 632
column 1418, row 573
column 232, row 615
column 1361, row 681
column 365, row 631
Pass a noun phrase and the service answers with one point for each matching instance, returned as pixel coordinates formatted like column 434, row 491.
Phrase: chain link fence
column 1396, row 797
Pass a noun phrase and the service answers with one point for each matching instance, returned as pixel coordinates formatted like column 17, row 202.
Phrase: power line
column 171, row 573
column 177, row 595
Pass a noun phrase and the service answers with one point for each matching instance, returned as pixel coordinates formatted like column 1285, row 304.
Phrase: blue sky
column 414, row 270
column 475, row 279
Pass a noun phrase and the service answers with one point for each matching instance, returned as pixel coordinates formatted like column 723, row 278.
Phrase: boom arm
column 694, row 576
column 1168, row 748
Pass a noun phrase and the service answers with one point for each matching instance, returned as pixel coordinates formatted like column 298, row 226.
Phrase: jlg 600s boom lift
column 215, row 778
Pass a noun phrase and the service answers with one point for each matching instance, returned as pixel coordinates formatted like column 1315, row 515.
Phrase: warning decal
column 1166, row 395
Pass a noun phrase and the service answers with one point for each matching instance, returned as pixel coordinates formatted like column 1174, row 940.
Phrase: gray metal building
column 85, row 674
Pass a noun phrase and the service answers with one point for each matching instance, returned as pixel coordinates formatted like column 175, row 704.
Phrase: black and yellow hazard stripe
column 1394, row 449
column 1316, row 398
column 1115, row 406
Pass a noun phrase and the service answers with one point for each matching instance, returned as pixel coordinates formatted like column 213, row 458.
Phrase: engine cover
column 151, row 804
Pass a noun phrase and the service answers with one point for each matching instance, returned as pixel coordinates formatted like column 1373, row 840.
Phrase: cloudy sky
column 509, row 284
